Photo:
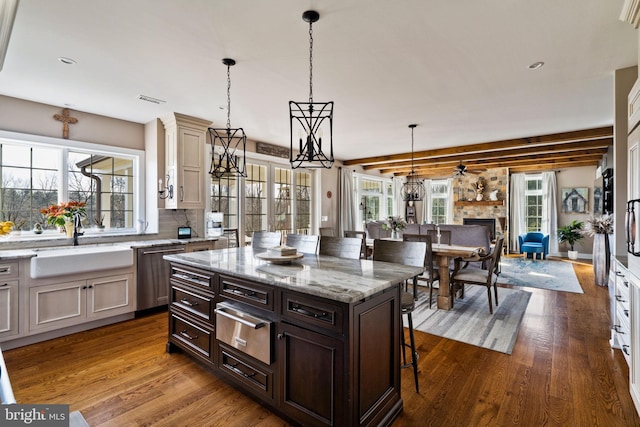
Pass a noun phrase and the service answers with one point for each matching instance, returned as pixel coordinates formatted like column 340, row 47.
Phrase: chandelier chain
column 310, row 62
column 228, row 97
column 412, row 171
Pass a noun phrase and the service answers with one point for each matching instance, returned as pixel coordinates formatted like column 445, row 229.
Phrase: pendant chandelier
column 413, row 189
column 228, row 145
column 311, row 121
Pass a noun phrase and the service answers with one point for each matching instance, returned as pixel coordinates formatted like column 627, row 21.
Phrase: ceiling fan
column 460, row 169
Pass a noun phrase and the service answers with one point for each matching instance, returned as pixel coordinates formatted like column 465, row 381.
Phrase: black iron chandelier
column 228, row 145
column 413, row 189
column 311, row 121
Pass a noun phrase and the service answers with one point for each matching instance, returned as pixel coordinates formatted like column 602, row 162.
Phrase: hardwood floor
column 562, row 373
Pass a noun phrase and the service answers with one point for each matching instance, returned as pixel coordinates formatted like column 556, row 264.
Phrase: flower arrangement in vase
column 395, row 224
column 63, row 213
column 479, row 188
column 599, row 228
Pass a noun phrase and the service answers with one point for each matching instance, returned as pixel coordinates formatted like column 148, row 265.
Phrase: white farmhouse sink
column 79, row 259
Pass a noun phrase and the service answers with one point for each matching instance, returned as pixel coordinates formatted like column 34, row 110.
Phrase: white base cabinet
column 634, row 342
column 9, row 305
column 65, row 304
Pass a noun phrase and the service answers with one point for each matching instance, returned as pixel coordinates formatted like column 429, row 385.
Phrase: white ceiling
column 457, row 68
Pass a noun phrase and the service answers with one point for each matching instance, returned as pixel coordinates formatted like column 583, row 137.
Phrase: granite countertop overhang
column 337, row 279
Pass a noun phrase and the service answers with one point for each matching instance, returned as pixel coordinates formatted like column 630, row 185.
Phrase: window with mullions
column 439, row 201
column 282, row 200
column 33, row 177
column 376, row 197
column 29, row 182
column 255, row 199
column 304, row 189
column 533, row 200
column 105, row 184
column 224, row 198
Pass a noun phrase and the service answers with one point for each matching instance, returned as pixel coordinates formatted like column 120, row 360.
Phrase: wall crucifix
column 65, row 118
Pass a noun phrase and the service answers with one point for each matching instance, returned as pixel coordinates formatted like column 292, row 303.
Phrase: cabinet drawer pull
column 5, row 270
column 626, row 283
column 626, row 312
column 618, row 329
column 185, row 334
column 243, row 293
column 281, row 336
column 189, row 303
column 3, row 285
column 625, row 348
column 619, row 298
column 308, row 313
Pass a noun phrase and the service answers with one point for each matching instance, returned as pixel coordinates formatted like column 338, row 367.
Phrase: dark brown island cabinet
column 314, row 360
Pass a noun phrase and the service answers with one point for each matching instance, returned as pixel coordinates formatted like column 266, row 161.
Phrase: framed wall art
column 575, row 200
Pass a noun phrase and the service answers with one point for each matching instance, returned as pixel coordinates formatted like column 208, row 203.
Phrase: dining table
column 443, row 254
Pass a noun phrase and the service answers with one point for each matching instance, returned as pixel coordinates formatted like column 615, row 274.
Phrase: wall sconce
column 165, row 192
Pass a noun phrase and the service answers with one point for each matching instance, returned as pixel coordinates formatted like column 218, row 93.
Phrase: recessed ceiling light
column 67, row 61
column 536, row 65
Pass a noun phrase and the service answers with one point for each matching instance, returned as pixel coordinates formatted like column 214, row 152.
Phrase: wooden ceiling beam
column 558, row 138
column 504, row 162
column 466, row 158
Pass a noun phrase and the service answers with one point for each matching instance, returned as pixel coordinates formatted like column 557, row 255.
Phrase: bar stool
column 407, row 306
column 408, row 253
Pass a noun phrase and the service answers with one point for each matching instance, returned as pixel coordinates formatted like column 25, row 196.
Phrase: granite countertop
column 337, row 279
column 9, row 254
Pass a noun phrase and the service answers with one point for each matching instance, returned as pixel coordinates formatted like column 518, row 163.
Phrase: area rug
column 77, row 420
column 543, row 274
column 470, row 321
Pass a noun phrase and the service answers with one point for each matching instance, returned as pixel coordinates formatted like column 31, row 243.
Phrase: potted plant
column 571, row 233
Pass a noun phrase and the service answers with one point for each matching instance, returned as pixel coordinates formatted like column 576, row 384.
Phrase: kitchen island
column 316, row 340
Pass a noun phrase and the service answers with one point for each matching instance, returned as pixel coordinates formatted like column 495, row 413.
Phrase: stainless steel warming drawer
column 244, row 332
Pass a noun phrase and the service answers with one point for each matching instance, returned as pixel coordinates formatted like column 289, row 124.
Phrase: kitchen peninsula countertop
column 338, row 279
column 9, row 254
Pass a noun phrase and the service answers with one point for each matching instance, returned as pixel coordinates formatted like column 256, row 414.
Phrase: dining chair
column 232, row 237
column 341, row 247
column 305, row 243
column 327, row 231
column 265, row 239
column 431, row 271
column 445, row 236
column 408, row 253
column 361, row 235
column 477, row 276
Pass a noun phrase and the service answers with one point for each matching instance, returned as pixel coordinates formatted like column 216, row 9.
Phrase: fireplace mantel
column 479, row 203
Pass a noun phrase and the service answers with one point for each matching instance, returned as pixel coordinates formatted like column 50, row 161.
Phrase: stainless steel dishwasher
column 153, row 275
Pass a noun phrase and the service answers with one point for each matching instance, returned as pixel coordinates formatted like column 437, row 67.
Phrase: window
column 437, row 202
column 533, row 201
column 376, row 197
column 275, row 198
column 34, row 176
column 224, row 198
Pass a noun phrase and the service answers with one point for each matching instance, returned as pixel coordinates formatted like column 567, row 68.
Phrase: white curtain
column 347, row 208
column 518, row 209
column 425, row 202
column 550, row 209
column 450, row 200
column 398, row 207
